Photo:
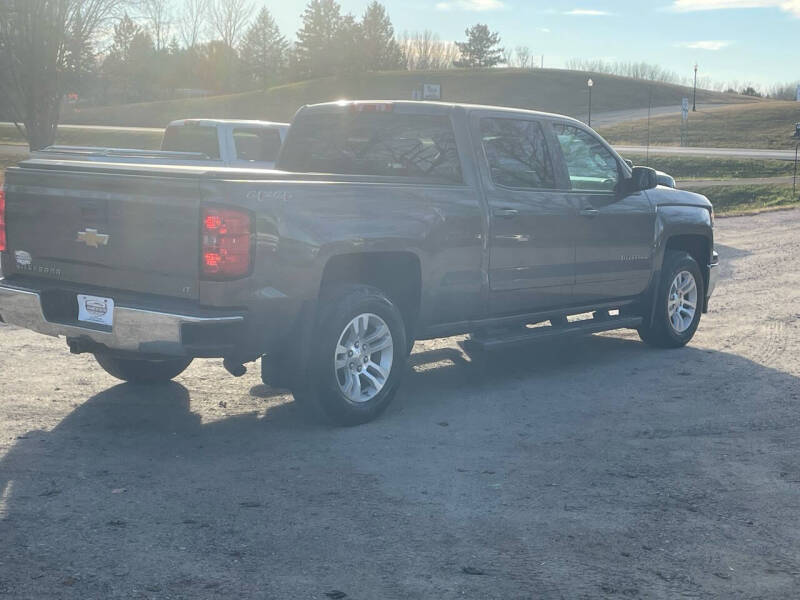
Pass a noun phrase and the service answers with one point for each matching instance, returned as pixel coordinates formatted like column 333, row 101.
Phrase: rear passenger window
column 192, row 138
column 257, row 145
column 517, row 153
column 592, row 168
column 374, row 143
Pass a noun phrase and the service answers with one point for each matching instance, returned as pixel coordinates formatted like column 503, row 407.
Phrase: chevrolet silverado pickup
column 385, row 223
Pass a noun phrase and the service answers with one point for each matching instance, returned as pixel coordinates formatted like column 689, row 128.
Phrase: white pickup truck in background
column 200, row 142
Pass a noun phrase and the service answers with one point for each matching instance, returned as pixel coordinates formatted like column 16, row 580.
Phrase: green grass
column 762, row 125
column 91, row 137
column 738, row 200
column 564, row 92
column 696, row 167
column 8, row 161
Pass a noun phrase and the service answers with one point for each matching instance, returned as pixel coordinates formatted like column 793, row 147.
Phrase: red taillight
column 227, row 243
column 3, row 244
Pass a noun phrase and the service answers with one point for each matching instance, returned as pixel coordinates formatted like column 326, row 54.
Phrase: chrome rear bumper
column 135, row 329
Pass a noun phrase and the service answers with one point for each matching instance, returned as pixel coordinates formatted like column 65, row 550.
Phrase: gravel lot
column 590, row 469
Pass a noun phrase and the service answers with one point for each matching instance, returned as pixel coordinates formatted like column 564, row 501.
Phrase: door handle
column 589, row 212
column 505, row 213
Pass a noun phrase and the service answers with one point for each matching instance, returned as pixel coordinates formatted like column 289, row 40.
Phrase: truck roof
column 214, row 122
column 427, row 107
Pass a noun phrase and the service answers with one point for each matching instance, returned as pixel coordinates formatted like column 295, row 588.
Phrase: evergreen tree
column 124, row 32
column 317, row 39
column 379, row 48
column 80, row 65
column 264, row 51
column 348, row 47
column 482, row 48
column 116, row 66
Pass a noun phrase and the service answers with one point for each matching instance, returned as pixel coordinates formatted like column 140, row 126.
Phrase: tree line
column 102, row 52
column 121, row 51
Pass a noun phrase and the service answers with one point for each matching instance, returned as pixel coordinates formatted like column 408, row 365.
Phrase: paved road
column 102, row 128
column 706, row 183
column 598, row 119
column 743, row 153
column 594, row 468
column 13, row 149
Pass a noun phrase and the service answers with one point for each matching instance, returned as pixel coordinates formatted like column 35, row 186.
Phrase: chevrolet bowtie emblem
column 93, row 239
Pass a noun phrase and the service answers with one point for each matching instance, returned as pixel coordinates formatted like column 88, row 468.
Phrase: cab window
column 192, row 138
column 374, row 143
column 591, row 167
column 257, row 145
column 516, row 151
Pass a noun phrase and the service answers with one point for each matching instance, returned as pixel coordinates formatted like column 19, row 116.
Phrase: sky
column 743, row 41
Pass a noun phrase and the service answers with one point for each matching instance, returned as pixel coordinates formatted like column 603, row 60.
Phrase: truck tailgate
column 105, row 229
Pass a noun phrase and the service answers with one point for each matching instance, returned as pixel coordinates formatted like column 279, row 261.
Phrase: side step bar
column 517, row 337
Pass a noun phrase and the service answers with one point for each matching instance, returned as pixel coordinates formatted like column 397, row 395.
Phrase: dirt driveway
column 590, row 469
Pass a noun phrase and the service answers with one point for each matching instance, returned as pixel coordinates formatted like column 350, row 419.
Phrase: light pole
column 590, row 84
column 694, row 96
column 796, row 149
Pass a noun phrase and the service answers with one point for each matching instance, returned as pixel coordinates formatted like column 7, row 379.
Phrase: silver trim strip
column 135, row 330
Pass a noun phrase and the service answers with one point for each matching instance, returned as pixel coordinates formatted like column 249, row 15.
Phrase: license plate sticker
column 97, row 310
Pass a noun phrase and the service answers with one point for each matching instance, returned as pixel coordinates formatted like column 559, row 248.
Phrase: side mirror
column 643, row 178
column 629, row 162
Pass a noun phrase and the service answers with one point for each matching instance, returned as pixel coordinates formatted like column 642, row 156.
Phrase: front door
column 532, row 246
column 614, row 233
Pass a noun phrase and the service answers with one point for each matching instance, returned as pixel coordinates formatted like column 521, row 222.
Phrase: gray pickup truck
column 388, row 222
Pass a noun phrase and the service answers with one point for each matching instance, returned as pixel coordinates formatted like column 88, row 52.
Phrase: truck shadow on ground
column 594, row 467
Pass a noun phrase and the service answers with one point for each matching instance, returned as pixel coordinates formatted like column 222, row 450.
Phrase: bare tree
column 34, row 37
column 508, row 57
column 524, row 57
column 158, row 15
column 229, row 18
column 426, row 52
column 193, row 21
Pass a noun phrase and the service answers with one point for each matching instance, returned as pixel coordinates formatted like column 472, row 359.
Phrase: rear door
column 532, row 246
column 613, row 232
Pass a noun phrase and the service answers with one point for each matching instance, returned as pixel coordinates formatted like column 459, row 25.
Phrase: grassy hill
column 549, row 90
column 761, row 125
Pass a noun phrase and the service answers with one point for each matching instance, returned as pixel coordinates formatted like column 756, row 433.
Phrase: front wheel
column 359, row 358
column 678, row 303
column 134, row 370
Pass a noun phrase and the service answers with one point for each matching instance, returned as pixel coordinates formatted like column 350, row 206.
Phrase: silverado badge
column 92, row 238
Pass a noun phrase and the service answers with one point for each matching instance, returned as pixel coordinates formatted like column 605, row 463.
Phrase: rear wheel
column 678, row 303
column 136, row 370
column 359, row 358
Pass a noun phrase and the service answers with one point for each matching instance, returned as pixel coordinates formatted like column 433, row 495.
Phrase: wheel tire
column 662, row 333
column 323, row 393
column 134, row 370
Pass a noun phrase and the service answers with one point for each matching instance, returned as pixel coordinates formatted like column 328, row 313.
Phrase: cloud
column 790, row 6
column 712, row 45
column 471, row 5
column 544, row 29
column 586, row 12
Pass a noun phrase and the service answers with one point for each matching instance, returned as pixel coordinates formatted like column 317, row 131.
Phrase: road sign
column 432, row 91
column 685, row 109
